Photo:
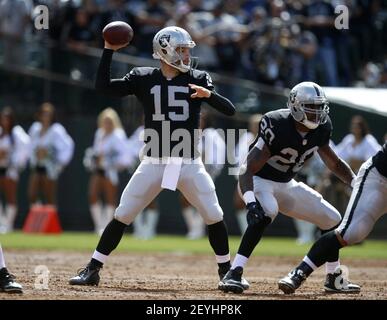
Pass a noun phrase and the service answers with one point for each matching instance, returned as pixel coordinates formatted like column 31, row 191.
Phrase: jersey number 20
column 172, row 102
column 292, row 161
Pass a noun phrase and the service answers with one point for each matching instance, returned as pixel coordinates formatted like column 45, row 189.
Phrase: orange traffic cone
column 42, row 219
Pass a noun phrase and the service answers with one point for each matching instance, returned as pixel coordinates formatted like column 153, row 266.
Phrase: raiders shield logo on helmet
column 164, row 39
column 292, row 96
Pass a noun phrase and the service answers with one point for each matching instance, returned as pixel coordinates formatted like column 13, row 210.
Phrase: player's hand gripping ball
column 117, row 33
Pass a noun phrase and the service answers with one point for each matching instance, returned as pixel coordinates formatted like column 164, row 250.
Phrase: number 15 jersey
column 171, row 115
column 168, row 100
column 289, row 148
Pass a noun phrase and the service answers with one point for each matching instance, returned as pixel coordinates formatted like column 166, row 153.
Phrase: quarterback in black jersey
column 367, row 204
column 171, row 97
column 286, row 139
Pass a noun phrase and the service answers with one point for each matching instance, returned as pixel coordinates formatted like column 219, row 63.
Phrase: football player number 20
column 172, row 102
column 284, row 164
column 289, row 158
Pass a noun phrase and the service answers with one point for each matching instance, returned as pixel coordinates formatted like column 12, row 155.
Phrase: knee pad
column 213, row 215
column 125, row 214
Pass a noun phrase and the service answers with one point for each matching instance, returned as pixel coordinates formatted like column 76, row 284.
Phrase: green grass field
column 269, row 246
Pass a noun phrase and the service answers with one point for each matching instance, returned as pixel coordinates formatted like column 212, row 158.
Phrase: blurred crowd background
column 254, row 49
column 276, row 42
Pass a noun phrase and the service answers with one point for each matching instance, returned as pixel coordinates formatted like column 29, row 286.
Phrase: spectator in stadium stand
column 79, row 35
column 363, row 29
column 149, row 20
column 319, row 17
column 199, row 24
column 301, row 47
column 14, row 25
column 234, row 8
column 268, row 56
column 228, row 33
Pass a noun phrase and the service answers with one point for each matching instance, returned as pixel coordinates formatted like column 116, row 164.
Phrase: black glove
column 255, row 213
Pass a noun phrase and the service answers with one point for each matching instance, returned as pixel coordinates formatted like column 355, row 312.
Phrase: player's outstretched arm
column 337, row 165
column 215, row 100
column 103, row 83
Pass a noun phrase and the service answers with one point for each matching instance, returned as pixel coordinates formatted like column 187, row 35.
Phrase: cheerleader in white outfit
column 104, row 159
column 359, row 145
column 51, row 150
column 14, row 153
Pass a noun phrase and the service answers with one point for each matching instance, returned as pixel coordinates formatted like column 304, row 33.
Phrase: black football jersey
column 380, row 160
column 289, row 149
column 168, row 106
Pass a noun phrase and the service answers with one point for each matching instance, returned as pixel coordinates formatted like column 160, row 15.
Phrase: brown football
column 117, row 33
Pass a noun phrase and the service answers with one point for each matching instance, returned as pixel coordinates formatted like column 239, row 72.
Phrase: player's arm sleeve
column 220, row 103
column 217, row 101
column 115, row 87
column 267, row 135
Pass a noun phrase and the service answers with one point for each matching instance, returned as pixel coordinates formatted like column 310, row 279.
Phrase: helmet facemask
column 179, row 62
column 315, row 114
column 308, row 105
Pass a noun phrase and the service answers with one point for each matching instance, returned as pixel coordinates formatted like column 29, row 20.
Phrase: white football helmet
column 308, row 104
column 165, row 43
